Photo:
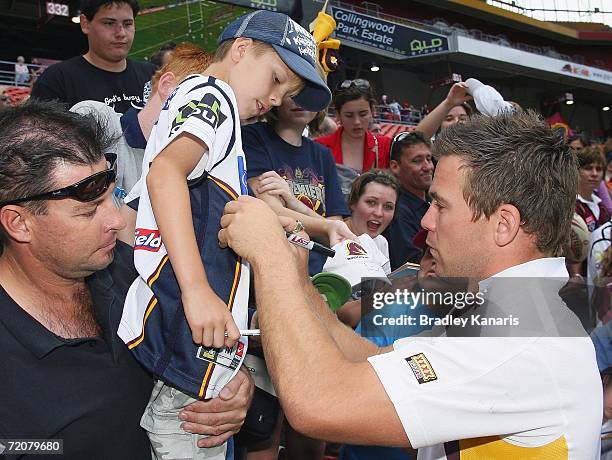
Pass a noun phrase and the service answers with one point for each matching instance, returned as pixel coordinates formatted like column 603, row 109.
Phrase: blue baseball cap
column 295, row 46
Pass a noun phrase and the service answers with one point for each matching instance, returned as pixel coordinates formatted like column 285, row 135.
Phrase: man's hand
column 252, row 229
column 221, row 417
column 208, row 318
column 458, row 94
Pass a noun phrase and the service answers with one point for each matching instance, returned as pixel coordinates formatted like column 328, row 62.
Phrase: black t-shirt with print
column 76, row 80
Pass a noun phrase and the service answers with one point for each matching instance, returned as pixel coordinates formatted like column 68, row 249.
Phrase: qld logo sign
column 376, row 35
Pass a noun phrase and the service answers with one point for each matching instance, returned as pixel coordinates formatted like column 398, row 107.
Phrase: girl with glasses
column 354, row 147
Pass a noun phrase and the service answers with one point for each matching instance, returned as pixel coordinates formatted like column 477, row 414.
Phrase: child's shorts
column 162, row 423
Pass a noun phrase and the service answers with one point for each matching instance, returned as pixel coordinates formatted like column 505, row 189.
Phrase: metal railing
column 408, row 117
column 8, row 76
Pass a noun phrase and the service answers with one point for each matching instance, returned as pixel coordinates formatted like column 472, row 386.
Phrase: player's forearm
column 354, row 347
column 430, row 124
column 290, row 328
column 172, row 209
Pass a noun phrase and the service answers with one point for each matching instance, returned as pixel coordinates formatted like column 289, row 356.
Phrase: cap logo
column 298, row 37
column 355, row 249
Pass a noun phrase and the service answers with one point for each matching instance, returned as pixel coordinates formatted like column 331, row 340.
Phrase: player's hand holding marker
column 252, row 229
column 209, row 318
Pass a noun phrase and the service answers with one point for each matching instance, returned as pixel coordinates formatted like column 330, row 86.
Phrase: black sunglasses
column 399, row 138
column 88, row 189
column 358, row 83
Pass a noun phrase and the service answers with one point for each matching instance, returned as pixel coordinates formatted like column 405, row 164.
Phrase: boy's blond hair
column 187, row 59
column 259, row 48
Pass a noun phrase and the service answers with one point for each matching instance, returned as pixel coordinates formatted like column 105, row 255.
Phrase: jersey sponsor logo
column 148, row 240
column 208, row 110
column 421, row 368
column 226, row 357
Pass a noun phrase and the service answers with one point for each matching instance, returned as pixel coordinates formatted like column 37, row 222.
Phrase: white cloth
column 488, row 101
column 383, row 246
column 129, row 159
column 355, row 260
column 492, row 397
column 21, row 69
column 593, row 204
column 601, row 239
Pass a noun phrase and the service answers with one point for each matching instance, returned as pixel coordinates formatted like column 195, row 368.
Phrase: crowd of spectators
column 339, row 178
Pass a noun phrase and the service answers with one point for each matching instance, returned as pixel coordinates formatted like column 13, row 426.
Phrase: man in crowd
column 103, row 73
column 63, row 278
column 411, row 163
column 503, row 197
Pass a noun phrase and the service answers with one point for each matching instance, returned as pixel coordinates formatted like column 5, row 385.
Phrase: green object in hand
column 335, row 289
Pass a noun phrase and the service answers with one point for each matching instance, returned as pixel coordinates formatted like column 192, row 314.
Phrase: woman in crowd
column 354, row 147
column 591, row 171
column 452, row 110
column 372, row 203
column 578, row 142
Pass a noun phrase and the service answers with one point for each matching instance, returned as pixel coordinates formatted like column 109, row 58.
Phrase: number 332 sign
column 58, row 9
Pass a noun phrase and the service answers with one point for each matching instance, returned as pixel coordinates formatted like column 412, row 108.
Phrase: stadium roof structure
column 569, row 32
column 532, row 51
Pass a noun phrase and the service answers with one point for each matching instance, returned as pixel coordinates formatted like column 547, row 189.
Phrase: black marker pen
column 310, row 245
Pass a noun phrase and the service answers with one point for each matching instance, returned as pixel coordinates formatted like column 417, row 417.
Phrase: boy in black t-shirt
column 103, row 73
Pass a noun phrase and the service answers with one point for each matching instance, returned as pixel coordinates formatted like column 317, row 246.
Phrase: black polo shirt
column 89, row 392
column 409, row 211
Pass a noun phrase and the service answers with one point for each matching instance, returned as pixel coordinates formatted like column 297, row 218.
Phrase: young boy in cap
column 182, row 315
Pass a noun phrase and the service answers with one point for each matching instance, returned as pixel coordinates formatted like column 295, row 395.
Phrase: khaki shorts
column 168, row 440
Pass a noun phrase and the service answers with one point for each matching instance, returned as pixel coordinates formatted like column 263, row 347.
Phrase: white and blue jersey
column 153, row 324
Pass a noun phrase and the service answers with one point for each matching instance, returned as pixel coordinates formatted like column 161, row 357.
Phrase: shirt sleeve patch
column 208, row 110
column 421, row 368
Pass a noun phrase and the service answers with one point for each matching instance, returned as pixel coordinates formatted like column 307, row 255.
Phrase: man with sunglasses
column 63, row 280
column 411, row 163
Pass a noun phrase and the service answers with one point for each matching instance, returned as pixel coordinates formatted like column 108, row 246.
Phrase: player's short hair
column 89, row 8
column 36, row 138
column 186, row 59
column 516, row 158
